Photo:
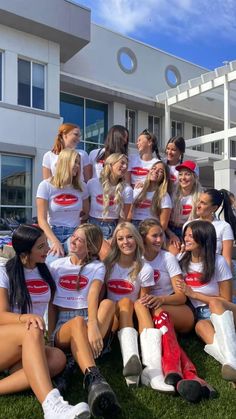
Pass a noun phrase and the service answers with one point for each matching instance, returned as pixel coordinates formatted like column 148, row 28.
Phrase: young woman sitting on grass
column 128, row 278
column 78, row 322
column 110, row 196
column 207, row 283
column 153, row 200
column 166, row 304
column 26, row 288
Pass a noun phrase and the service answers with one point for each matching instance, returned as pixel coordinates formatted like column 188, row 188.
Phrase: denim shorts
column 136, row 223
column 203, row 312
column 107, row 227
column 65, row 316
column 63, row 233
column 177, row 231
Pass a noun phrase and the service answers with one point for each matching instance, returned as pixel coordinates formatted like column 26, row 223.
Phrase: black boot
column 62, row 380
column 101, row 398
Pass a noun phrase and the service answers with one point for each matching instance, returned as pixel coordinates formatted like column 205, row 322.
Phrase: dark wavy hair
column 150, row 136
column 115, row 142
column 204, row 234
column 179, row 142
column 222, row 198
column 23, row 239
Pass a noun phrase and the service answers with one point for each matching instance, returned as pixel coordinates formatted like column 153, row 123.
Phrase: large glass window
column 177, row 129
column 0, row 75
column 31, row 84
column 91, row 116
column 197, row 132
column 154, row 126
column 16, row 188
column 130, row 118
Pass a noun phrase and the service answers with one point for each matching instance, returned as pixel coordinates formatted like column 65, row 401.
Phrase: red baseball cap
column 189, row 165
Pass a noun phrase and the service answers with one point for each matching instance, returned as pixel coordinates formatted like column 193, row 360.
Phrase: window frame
column 32, row 62
column 1, row 75
column 175, row 134
column 127, row 116
column 30, row 207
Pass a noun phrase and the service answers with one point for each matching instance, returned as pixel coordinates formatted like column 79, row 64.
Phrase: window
column 232, row 148
column 0, row 75
column 127, row 60
column 197, row 132
column 130, row 118
column 31, row 84
column 16, row 188
column 217, row 146
column 177, row 129
column 154, row 126
column 91, row 116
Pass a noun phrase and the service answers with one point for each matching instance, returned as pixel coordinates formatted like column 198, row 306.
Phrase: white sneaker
column 55, row 407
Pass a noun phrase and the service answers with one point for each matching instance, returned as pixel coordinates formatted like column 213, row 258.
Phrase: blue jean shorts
column 63, row 233
column 107, row 227
column 65, row 316
column 203, row 312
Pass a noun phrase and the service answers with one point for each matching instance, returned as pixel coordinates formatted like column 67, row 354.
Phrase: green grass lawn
column 141, row 402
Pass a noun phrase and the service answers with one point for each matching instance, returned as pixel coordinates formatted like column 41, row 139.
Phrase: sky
column 200, row 31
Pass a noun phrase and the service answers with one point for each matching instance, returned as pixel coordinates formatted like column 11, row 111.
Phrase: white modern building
column 56, row 65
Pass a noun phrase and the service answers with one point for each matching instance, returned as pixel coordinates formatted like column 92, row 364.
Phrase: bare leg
column 73, row 334
column 205, row 331
column 181, row 316
column 17, row 342
column 125, row 308
column 144, row 316
column 106, row 313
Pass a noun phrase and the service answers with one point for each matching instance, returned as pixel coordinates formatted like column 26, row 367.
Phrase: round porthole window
column 127, row 60
column 172, row 76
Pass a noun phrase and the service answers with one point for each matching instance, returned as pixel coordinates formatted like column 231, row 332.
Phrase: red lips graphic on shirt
column 173, row 178
column 186, row 209
column 65, row 199
column 144, row 204
column 193, row 279
column 37, row 286
column 99, row 199
column 139, row 171
column 120, row 287
column 156, row 275
column 70, row 282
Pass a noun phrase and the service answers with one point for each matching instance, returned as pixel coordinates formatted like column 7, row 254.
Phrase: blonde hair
column 115, row 252
column 177, row 206
column 93, row 244
column 105, row 179
column 160, row 190
column 59, row 143
column 64, row 170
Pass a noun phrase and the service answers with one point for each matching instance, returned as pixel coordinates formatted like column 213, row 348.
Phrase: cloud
column 184, row 19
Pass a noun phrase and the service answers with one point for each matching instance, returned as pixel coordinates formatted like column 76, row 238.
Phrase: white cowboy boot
column 128, row 338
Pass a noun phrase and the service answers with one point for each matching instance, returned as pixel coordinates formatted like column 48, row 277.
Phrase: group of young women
column 97, row 260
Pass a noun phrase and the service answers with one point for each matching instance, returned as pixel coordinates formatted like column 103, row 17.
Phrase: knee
column 200, row 327
column 216, row 306
column 108, row 306
column 77, row 324
column 35, row 334
column 56, row 361
column 126, row 304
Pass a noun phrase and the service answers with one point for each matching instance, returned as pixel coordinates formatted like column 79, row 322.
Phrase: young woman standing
column 139, row 165
column 26, row 288
column 68, row 137
column 79, row 323
column 175, row 149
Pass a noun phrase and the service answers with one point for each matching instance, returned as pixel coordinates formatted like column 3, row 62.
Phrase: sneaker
column 101, row 398
column 55, row 407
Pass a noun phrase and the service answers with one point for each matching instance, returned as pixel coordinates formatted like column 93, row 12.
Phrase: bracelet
column 20, row 315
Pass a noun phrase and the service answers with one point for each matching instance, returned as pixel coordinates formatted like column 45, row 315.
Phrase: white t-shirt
column 64, row 205
column 50, row 160
column 95, row 191
column 66, row 274
column 185, row 210
column 194, row 275
column 139, row 168
column 119, row 285
column 173, row 174
column 97, row 165
column 143, row 209
column 165, row 266
column 38, row 289
column 223, row 232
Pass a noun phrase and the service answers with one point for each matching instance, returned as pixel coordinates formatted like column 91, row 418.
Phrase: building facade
column 56, row 65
